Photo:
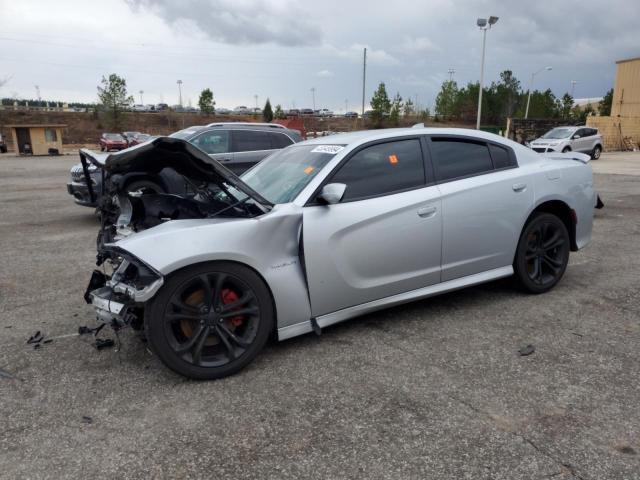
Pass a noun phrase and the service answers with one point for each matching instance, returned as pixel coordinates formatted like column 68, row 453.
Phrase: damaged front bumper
column 118, row 300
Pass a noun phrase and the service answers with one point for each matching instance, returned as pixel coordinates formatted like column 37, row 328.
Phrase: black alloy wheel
column 543, row 253
column 210, row 320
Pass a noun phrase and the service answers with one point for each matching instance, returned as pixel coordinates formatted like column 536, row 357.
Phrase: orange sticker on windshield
column 308, row 170
column 393, row 159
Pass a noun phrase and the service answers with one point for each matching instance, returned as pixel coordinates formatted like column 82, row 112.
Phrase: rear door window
column 382, row 169
column 279, row 140
column 501, row 157
column 458, row 158
column 250, row 141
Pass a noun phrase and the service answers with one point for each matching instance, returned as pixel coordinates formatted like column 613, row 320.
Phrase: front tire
column 542, row 254
column 210, row 320
column 595, row 153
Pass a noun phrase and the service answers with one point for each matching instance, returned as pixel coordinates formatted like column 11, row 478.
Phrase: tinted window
column 500, row 157
column 249, row 141
column 454, row 158
column 382, row 169
column 580, row 132
column 279, row 140
column 216, row 141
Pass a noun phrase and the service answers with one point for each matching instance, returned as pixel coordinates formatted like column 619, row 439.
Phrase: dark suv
column 236, row 145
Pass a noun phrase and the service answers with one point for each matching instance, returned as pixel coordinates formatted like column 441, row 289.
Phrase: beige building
column 622, row 128
column 41, row 139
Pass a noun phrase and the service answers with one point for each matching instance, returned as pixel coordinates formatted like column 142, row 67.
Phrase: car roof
column 362, row 136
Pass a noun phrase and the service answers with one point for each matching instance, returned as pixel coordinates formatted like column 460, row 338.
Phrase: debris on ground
column 528, row 350
column 35, row 338
column 84, row 330
column 8, row 376
column 86, row 419
column 102, row 343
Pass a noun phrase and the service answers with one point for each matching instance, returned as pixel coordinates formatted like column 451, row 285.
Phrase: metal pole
column 484, row 41
column 364, row 79
column 180, row 92
column 573, row 87
column 141, row 92
column 526, row 112
column 346, row 105
column 313, row 96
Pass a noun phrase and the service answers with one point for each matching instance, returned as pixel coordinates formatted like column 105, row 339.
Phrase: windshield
column 558, row 133
column 281, row 177
column 186, row 133
column 113, row 136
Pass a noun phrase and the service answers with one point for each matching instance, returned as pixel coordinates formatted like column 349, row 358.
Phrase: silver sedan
column 327, row 230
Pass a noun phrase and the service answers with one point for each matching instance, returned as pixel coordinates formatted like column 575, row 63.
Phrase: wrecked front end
column 122, row 285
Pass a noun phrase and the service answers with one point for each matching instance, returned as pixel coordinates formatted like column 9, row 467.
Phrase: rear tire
column 595, row 153
column 542, row 254
column 211, row 335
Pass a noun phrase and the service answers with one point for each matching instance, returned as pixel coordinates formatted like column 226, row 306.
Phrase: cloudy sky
column 282, row 48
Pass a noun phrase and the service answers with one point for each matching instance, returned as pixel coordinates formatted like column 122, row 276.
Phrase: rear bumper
column 80, row 194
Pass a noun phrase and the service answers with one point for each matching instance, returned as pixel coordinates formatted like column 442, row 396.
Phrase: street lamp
column 484, row 25
column 141, row 92
column 573, row 87
column 179, row 82
column 526, row 112
column 313, row 95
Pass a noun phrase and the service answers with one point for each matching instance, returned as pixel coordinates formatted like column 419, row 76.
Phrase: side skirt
column 362, row 309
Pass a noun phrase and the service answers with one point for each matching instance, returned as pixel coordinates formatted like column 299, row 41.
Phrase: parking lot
column 433, row 389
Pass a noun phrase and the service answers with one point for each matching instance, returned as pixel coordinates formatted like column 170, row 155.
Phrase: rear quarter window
column 502, row 157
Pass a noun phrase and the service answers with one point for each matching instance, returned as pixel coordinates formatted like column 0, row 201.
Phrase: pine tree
column 267, row 113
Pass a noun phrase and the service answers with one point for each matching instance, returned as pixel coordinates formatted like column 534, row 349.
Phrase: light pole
column 526, row 112
column 179, row 82
column 141, row 92
column 573, row 87
column 484, row 25
column 313, row 97
column 451, row 72
column 346, row 105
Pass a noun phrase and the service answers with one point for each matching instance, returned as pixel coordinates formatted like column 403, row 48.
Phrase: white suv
column 567, row 139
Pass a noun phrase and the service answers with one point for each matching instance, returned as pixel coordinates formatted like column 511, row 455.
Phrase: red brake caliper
column 229, row 296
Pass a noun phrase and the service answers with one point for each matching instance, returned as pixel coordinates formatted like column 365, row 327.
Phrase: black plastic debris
column 102, row 343
column 35, row 338
column 528, row 350
column 86, row 419
column 84, row 330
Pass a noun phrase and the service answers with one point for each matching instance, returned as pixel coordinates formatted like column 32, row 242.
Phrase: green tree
column 604, row 108
column 409, row 109
column 380, row 104
column 206, row 102
column 267, row 112
column 565, row 105
column 113, row 97
column 447, row 99
column 279, row 113
column 394, row 112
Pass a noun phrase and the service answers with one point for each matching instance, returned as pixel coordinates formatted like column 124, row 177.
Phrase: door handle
column 227, row 159
column 426, row 212
column 519, row 187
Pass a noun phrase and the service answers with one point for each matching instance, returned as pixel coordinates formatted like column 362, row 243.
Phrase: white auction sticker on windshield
column 333, row 149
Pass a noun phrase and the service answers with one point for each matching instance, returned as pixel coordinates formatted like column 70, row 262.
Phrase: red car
column 112, row 141
column 139, row 138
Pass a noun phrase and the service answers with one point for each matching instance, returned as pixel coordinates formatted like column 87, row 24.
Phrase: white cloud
column 324, row 74
column 418, row 45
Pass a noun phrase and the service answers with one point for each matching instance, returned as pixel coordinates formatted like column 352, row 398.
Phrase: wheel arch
column 561, row 210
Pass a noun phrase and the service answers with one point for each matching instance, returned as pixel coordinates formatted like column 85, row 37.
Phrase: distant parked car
column 113, row 141
column 567, row 139
column 139, row 108
column 306, row 112
column 129, row 136
column 241, row 110
column 223, row 111
column 324, row 112
column 3, row 145
column 294, row 112
column 140, row 138
column 351, row 115
column 237, row 146
column 161, row 107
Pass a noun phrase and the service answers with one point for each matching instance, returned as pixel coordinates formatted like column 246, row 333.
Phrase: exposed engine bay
column 210, row 190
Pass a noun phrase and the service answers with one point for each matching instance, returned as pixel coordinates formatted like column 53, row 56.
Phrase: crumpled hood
column 166, row 152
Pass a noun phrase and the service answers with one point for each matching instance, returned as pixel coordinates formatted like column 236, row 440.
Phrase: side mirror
column 575, row 137
column 332, row 193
